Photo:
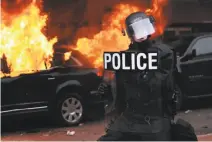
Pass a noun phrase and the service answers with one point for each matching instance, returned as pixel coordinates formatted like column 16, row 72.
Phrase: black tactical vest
column 143, row 94
column 143, row 88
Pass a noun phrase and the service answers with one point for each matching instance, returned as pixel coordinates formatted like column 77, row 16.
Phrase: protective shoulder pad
column 165, row 56
column 130, row 49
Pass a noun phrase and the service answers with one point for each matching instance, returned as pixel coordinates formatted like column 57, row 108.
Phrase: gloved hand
column 103, row 88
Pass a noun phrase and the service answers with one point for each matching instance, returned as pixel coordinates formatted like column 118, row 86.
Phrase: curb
column 205, row 135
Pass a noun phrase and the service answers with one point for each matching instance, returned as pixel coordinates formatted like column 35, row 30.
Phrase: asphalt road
column 197, row 112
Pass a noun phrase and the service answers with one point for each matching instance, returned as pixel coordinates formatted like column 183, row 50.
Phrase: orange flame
column 67, row 56
column 26, row 48
column 111, row 38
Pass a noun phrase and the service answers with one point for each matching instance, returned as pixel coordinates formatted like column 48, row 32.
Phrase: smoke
column 12, row 8
column 17, row 6
column 98, row 12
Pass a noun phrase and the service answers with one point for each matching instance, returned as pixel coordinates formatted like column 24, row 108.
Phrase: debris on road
column 46, row 135
column 81, row 124
column 33, row 131
column 22, row 134
column 205, row 127
column 70, row 133
column 188, row 111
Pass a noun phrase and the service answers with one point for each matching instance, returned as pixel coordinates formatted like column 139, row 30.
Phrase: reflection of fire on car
column 66, row 92
column 194, row 66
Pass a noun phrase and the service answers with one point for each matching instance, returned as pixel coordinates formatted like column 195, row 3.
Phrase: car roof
column 194, row 35
column 190, row 36
column 190, row 24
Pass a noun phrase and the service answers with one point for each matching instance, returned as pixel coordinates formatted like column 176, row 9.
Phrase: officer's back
column 143, row 98
column 145, row 112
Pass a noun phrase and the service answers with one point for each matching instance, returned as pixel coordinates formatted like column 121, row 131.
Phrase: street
column 201, row 119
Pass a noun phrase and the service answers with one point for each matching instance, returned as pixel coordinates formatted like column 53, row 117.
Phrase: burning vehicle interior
column 41, row 73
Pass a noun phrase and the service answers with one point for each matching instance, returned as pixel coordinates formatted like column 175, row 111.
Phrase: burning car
column 67, row 92
column 27, row 45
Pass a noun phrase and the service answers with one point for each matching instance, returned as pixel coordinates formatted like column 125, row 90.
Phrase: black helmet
column 139, row 25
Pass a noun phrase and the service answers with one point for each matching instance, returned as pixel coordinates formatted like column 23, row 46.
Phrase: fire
column 23, row 45
column 111, row 38
column 26, row 49
column 67, row 55
column 156, row 11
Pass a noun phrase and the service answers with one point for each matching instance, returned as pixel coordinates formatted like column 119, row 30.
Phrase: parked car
column 66, row 92
column 194, row 67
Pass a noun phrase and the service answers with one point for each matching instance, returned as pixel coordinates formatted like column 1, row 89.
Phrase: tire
column 180, row 97
column 70, row 109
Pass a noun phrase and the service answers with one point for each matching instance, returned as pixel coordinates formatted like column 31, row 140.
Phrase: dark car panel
column 37, row 91
column 196, row 70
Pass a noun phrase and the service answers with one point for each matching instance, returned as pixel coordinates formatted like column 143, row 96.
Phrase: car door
column 12, row 95
column 197, row 70
column 23, row 94
column 40, row 88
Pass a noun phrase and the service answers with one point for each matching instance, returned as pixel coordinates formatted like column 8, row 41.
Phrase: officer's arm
column 104, row 90
column 167, row 65
column 113, row 93
column 168, row 92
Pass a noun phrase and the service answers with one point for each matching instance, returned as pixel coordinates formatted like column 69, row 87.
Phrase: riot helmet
column 139, row 26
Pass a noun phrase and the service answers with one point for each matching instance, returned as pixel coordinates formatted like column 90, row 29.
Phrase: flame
column 25, row 47
column 157, row 12
column 111, row 38
column 67, row 56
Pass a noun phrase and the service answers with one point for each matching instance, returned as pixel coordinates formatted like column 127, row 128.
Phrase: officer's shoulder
column 165, row 54
column 162, row 47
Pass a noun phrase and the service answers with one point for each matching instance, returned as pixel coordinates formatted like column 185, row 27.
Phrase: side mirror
column 191, row 55
column 194, row 54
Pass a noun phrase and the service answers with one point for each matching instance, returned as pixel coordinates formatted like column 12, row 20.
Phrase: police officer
column 144, row 105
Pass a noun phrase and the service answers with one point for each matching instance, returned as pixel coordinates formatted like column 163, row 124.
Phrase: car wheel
column 179, row 97
column 70, row 109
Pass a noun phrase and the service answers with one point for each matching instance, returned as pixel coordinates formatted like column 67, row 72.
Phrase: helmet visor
column 141, row 29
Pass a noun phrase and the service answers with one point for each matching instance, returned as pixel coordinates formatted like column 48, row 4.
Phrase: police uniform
column 143, row 107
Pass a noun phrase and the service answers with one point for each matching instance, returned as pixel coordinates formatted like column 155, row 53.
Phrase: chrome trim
column 195, row 76
column 200, row 96
column 51, row 78
column 30, row 103
column 93, row 92
column 33, row 108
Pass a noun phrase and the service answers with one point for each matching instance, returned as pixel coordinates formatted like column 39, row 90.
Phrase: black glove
column 103, row 89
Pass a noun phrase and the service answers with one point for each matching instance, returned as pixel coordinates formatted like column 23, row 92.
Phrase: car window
column 203, row 46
